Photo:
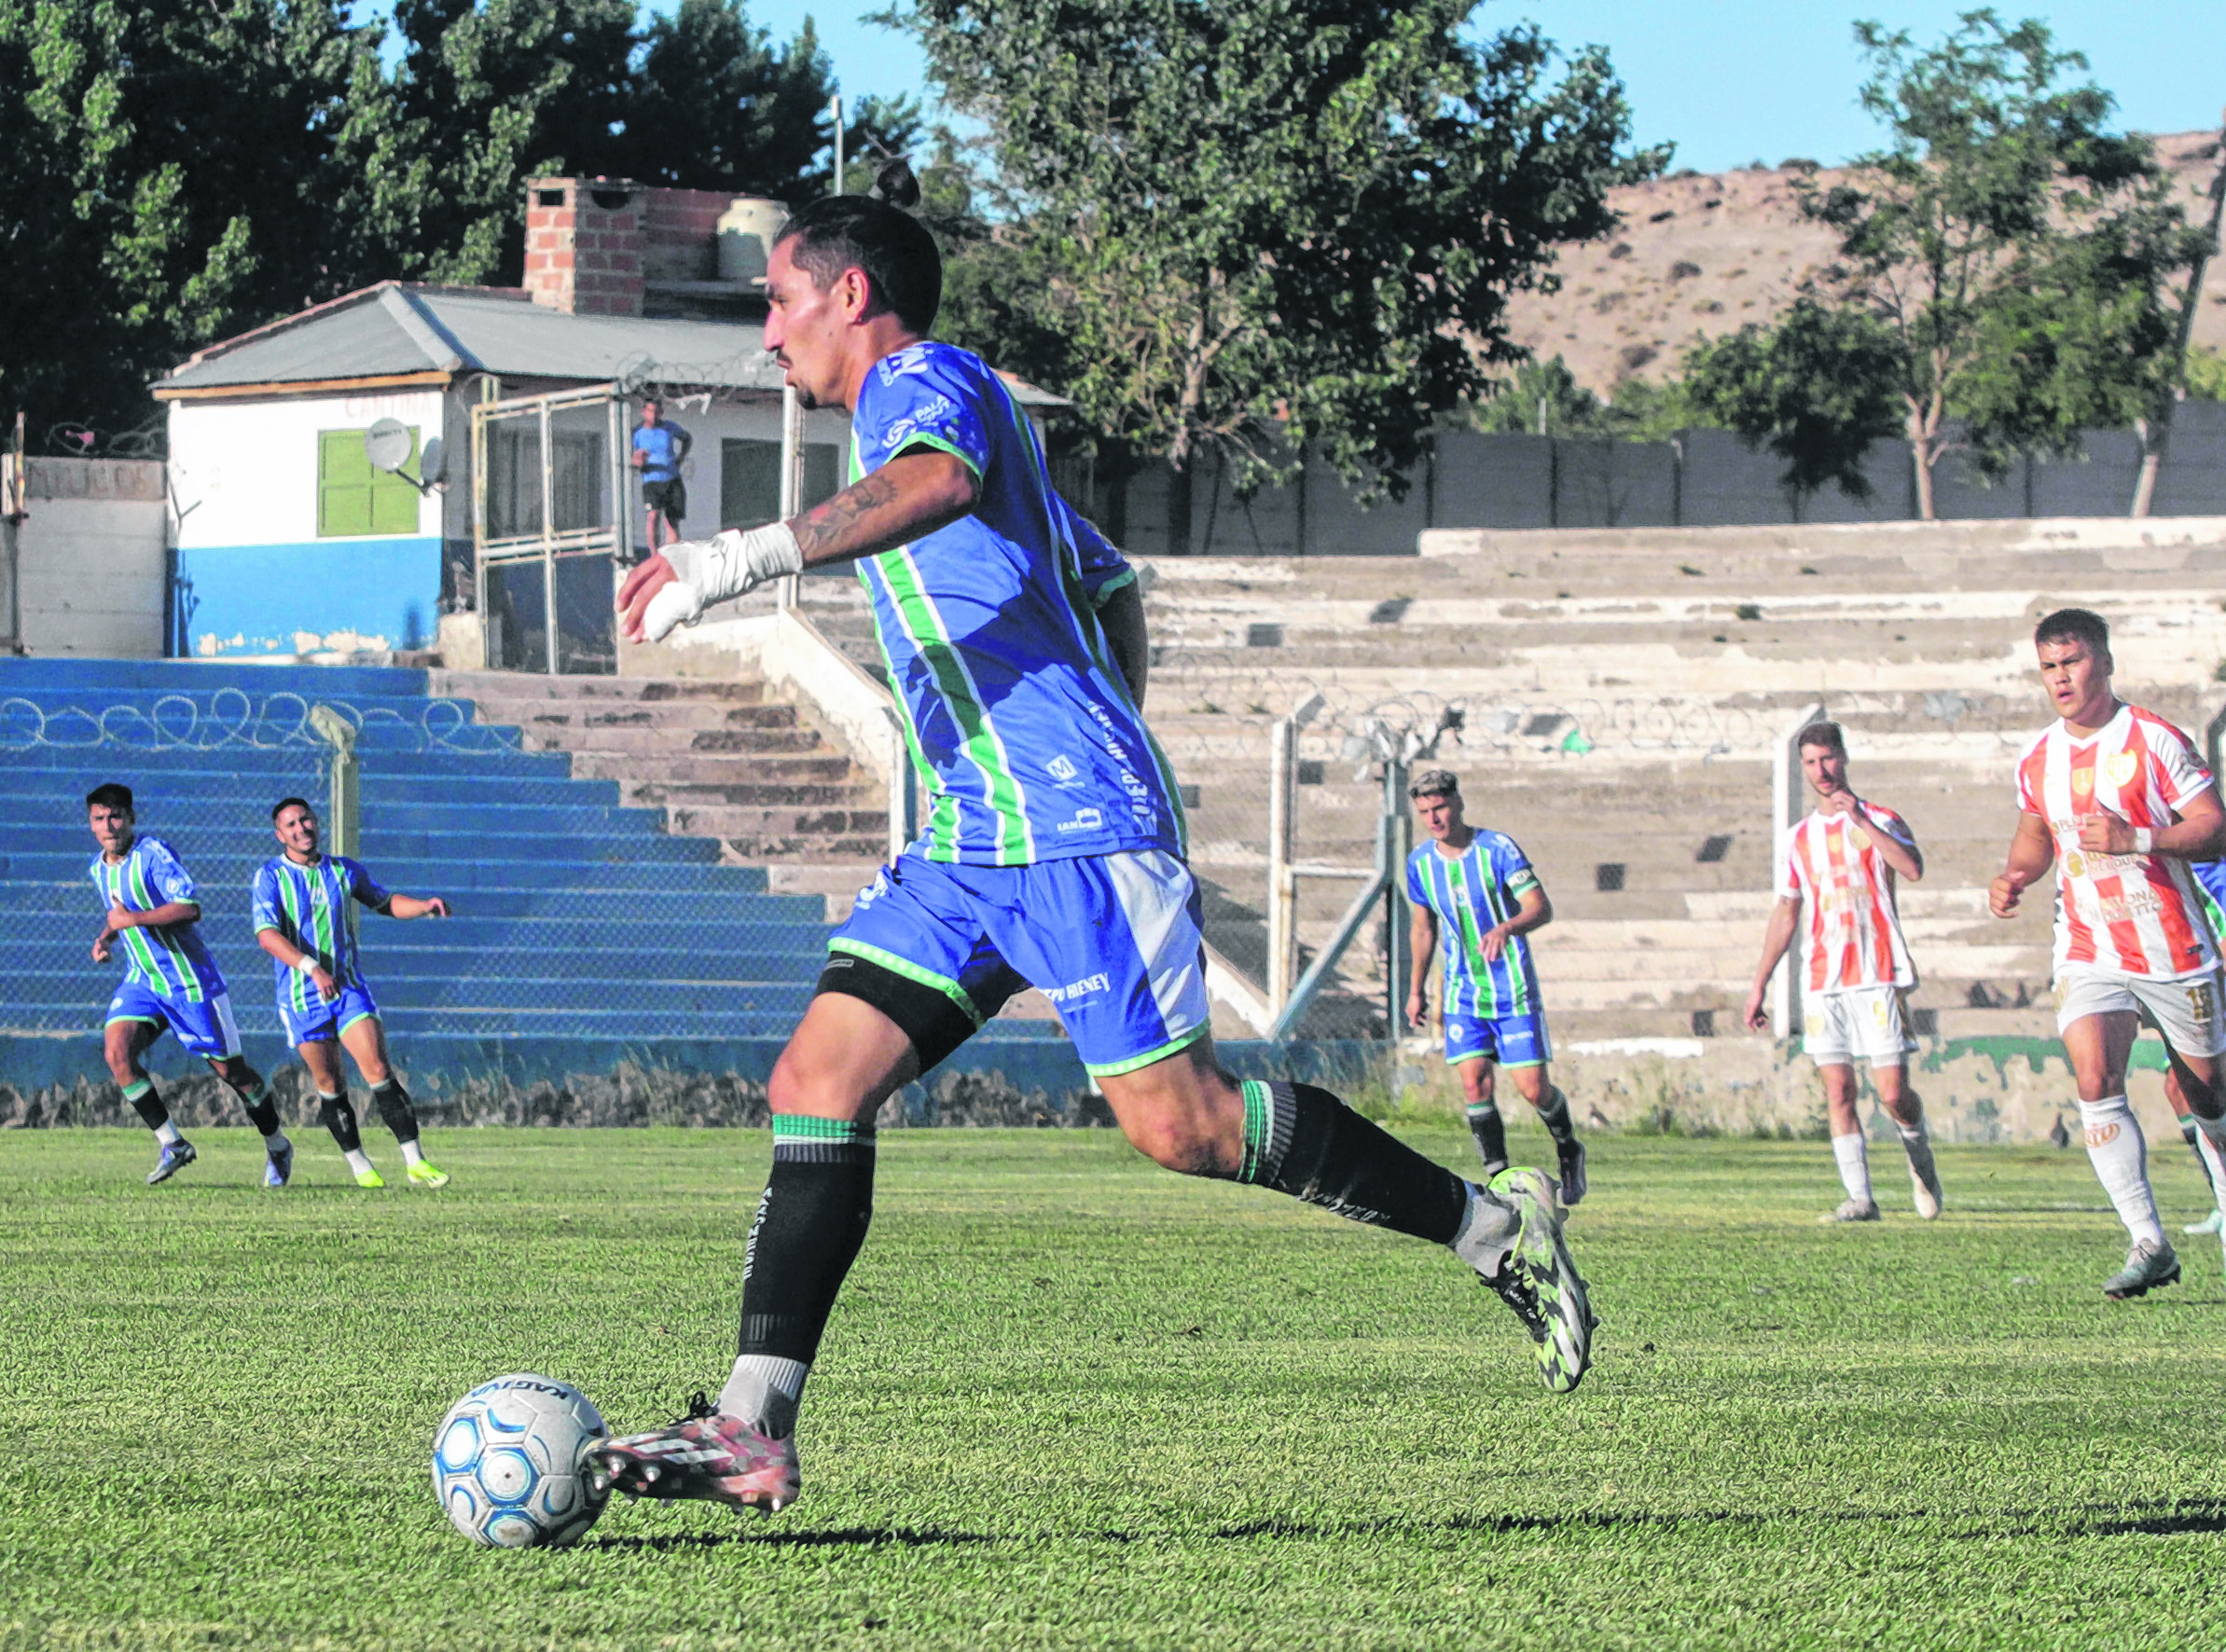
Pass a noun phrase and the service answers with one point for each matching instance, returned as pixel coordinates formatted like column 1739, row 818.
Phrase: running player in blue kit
column 170, row 984
column 1480, row 888
column 302, row 907
column 1051, row 853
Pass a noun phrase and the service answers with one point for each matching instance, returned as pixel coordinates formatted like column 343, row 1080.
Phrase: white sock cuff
column 2104, row 1110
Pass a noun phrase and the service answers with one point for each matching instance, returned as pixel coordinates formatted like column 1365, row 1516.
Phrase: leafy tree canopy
column 1258, row 227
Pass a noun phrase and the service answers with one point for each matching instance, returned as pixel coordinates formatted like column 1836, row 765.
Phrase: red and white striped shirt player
column 1851, row 933
column 2130, row 915
column 2116, row 799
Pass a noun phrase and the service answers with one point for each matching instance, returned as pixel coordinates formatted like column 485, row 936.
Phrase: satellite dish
column 434, row 465
column 387, row 445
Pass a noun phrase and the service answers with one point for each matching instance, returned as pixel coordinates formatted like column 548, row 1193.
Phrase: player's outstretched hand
column 2001, row 894
column 641, row 585
column 103, row 947
column 435, row 907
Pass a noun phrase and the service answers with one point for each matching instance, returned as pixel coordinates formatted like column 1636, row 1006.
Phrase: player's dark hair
column 110, row 795
column 2075, row 624
column 1825, row 734
column 891, row 248
column 1434, row 782
column 657, row 402
column 283, row 803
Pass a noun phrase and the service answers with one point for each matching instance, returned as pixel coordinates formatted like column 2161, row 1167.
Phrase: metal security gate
column 549, row 526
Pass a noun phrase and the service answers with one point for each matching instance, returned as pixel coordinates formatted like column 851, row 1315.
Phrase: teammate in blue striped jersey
column 170, row 984
column 2210, row 888
column 304, row 913
column 1478, row 887
column 1052, row 850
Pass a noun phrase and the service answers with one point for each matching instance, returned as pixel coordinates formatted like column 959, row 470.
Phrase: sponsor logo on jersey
column 1061, row 768
column 1084, row 820
column 912, row 424
column 2075, row 864
column 1078, row 989
column 913, row 358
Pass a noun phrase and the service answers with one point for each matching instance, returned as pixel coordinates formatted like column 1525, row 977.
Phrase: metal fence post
column 1785, row 810
column 343, row 821
column 1390, row 854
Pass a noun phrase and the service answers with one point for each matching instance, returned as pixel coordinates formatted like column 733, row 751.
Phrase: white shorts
column 2185, row 1011
column 1863, row 1022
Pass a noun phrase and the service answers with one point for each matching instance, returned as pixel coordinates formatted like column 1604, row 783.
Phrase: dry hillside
column 1704, row 253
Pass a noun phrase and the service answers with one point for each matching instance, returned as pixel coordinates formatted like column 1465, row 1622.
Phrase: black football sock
column 393, row 1106
column 1302, row 1140
column 141, row 1094
column 811, row 1221
column 262, row 1109
column 336, row 1113
column 2189, row 1131
column 1490, row 1132
column 1555, row 1115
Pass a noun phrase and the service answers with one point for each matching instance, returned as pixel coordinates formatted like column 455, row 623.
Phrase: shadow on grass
column 845, row 1537
column 2176, row 1520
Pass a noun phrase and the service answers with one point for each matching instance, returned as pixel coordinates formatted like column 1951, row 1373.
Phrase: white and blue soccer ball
column 507, row 1463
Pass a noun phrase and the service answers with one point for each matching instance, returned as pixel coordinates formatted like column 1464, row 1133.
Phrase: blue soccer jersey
column 1028, row 746
column 173, row 961
column 1472, row 893
column 2210, row 885
column 309, row 906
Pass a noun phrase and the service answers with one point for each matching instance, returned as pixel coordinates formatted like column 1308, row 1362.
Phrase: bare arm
column 2198, row 834
column 1123, row 617
column 155, row 917
column 1777, row 936
column 2032, row 853
column 410, row 907
column 1899, row 853
column 1421, row 945
column 287, row 953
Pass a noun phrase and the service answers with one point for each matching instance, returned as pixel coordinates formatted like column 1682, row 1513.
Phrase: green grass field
column 1071, row 1401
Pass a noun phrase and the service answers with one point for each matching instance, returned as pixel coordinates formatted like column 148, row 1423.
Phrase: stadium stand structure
column 586, row 935
column 1621, row 696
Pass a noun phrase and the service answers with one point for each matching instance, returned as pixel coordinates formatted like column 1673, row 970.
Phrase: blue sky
column 1732, row 82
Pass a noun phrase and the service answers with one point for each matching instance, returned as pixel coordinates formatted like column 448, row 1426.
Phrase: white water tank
column 747, row 231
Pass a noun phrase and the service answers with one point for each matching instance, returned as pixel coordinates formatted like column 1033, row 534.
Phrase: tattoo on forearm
column 827, row 525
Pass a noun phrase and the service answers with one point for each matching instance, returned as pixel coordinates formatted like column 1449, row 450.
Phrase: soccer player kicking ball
column 1052, row 848
column 1841, row 866
column 303, row 920
column 1481, row 885
column 170, row 983
column 2115, row 797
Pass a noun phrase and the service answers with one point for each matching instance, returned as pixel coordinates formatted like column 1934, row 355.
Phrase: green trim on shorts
column 1126, row 577
column 1113, row 1069
column 359, row 1015
column 910, row 972
column 1512, row 1067
column 143, row 1019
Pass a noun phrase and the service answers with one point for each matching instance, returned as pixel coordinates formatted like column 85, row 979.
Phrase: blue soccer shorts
column 1113, row 941
column 1511, row 1040
column 204, row 1027
column 327, row 1019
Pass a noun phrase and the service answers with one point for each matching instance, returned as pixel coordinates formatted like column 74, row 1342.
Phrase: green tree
column 1266, row 226
column 2013, row 247
column 168, row 179
column 1641, row 409
column 1817, row 388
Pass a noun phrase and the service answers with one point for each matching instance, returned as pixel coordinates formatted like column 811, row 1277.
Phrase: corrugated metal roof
column 403, row 327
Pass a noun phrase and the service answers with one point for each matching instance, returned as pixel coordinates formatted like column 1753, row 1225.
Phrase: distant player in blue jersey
column 660, row 448
column 304, row 918
column 170, row 984
column 1477, row 887
column 1051, row 850
column 2210, row 888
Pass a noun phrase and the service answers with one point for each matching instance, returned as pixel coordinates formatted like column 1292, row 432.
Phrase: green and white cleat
column 2209, row 1224
column 369, row 1177
column 2149, row 1266
column 424, row 1174
column 1542, row 1256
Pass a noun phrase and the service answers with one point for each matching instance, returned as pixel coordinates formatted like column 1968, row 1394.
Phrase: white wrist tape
column 709, row 571
column 307, row 964
column 2144, row 840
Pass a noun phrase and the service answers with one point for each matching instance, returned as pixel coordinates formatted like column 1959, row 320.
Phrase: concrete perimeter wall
column 90, row 556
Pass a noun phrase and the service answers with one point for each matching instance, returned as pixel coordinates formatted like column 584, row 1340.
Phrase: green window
column 354, row 499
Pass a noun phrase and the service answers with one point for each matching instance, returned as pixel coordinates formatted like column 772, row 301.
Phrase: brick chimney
column 584, row 242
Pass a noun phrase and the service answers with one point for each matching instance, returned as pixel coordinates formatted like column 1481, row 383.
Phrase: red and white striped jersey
column 2130, row 915
column 1851, row 934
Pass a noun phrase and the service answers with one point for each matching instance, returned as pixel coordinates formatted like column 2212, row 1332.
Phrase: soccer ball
column 507, row 1463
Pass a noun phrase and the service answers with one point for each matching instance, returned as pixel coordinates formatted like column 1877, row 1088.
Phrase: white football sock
column 413, row 1154
column 1488, row 1232
column 1855, row 1165
column 2120, row 1154
column 167, row 1132
column 358, row 1161
column 764, row 1391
